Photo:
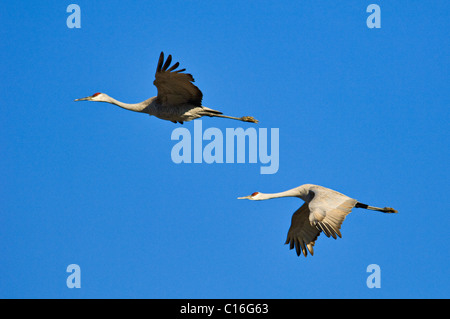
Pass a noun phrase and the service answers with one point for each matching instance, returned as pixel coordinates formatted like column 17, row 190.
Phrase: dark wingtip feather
column 291, row 244
column 173, row 67
column 297, row 247
column 168, row 61
column 160, row 62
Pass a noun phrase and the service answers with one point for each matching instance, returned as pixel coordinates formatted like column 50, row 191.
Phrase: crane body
column 324, row 211
column 178, row 99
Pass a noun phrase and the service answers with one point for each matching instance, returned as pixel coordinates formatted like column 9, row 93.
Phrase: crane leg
column 384, row 210
column 243, row 118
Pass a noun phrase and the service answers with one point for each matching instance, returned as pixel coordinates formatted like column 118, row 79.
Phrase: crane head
column 94, row 97
column 253, row 196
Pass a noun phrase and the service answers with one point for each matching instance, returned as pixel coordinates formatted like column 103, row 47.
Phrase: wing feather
column 174, row 87
column 325, row 212
column 302, row 234
column 168, row 61
column 329, row 209
column 173, row 67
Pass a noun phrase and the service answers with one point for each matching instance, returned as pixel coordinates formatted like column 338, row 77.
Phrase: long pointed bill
column 83, row 99
column 245, row 197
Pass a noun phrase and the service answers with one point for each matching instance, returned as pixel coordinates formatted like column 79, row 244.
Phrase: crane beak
column 83, row 99
column 245, row 197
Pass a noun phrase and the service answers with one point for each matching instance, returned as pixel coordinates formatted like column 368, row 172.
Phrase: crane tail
column 210, row 112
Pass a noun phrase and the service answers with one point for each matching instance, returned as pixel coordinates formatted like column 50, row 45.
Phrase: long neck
column 302, row 192
column 289, row 193
column 137, row 107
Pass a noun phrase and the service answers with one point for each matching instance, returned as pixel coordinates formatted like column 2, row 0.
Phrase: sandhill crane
column 178, row 100
column 324, row 211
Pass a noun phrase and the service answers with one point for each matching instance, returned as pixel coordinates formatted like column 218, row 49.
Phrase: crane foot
column 249, row 119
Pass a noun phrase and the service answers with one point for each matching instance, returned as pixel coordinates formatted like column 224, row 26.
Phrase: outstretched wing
column 328, row 210
column 174, row 87
column 302, row 234
column 324, row 213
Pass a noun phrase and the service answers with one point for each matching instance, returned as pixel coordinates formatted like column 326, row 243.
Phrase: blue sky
column 363, row 111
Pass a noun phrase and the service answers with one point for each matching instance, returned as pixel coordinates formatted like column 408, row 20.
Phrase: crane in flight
column 178, row 99
column 324, row 211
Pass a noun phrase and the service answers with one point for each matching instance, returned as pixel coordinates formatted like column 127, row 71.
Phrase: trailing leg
column 384, row 210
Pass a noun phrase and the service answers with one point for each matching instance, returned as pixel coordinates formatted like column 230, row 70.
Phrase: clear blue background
column 363, row 111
